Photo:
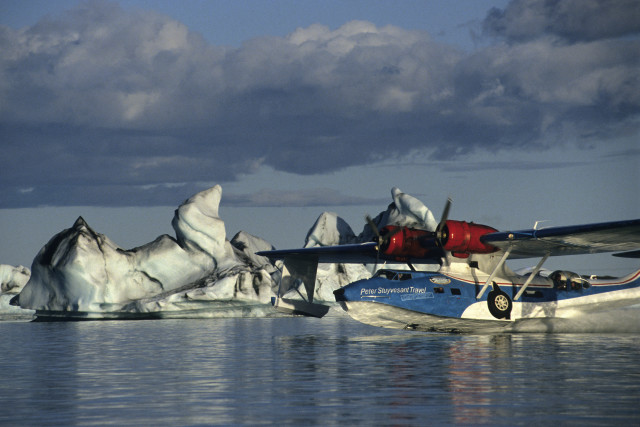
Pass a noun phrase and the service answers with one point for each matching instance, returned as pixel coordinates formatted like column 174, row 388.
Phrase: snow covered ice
column 12, row 281
column 81, row 273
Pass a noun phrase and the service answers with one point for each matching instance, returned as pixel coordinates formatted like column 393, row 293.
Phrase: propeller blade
column 443, row 221
column 374, row 227
column 447, row 208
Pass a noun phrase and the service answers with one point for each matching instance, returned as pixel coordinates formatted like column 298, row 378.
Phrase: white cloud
column 136, row 104
column 99, row 91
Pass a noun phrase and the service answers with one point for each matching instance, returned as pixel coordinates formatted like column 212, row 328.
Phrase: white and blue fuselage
column 432, row 300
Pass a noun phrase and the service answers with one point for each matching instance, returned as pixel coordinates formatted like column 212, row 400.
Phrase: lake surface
column 302, row 371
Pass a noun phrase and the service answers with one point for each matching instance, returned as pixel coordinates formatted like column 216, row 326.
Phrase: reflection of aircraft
column 472, row 285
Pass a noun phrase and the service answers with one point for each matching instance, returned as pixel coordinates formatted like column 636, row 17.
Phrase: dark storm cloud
column 105, row 107
column 573, row 20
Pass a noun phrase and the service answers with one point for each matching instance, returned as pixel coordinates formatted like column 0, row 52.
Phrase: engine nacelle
column 462, row 238
column 407, row 243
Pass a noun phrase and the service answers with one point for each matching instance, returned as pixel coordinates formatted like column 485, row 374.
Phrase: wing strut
column 530, row 278
column 493, row 273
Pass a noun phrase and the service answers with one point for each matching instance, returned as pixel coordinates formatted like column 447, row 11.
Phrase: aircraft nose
column 339, row 295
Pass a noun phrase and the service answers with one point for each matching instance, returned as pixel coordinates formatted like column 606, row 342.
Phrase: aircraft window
column 564, row 280
column 438, row 290
column 455, row 291
column 392, row 275
column 574, row 281
column 385, row 274
column 560, row 279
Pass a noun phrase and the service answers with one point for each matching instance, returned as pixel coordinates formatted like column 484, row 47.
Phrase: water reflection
column 471, row 363
column 513, row 379
column 309, row 371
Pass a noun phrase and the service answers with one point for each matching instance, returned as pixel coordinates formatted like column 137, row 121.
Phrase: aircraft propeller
column 381, row 239
column 440, row 233
column 374, row 228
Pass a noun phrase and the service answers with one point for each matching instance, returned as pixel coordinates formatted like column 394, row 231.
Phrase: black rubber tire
column 500, row 304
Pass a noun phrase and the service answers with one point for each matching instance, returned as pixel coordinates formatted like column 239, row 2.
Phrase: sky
column 521, row 111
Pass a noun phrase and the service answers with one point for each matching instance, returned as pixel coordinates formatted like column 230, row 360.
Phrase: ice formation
column 82, row 273
column 12, row 281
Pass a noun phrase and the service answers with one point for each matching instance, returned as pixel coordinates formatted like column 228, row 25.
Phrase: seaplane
column 470, row 288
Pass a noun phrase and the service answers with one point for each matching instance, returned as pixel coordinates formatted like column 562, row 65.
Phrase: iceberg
column 82, row 274
column 12, row 281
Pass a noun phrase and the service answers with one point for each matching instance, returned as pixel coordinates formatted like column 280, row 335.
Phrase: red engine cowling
column 462, row 238
column 407, row 243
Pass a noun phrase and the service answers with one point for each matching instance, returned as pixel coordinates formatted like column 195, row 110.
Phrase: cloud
column 172, row 194
column 571, row 20
column 300, row 198
column 98, row 105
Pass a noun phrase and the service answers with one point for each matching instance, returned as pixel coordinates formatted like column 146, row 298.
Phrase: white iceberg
column 12, row 281
column 80, row 273
column 405, row 211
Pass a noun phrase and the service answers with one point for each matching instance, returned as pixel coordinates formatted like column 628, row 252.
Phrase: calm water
column 309, row 371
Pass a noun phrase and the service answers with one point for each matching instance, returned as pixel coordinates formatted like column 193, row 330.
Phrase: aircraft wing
column 618, row 236
column 355, row 253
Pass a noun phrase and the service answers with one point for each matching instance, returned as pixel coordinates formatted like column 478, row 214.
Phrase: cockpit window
column 394, row 275
column 566, row 280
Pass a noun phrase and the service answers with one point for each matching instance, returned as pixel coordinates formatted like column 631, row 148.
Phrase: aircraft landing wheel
column 499, row 304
